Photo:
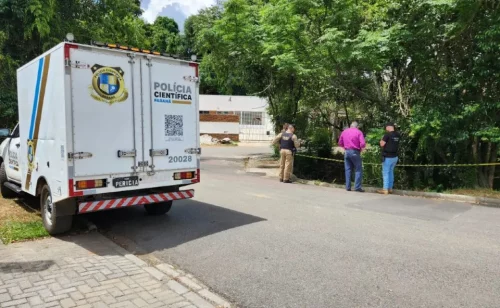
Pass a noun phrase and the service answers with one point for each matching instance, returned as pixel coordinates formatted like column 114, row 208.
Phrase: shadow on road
column 25, row 267
column 187, row 221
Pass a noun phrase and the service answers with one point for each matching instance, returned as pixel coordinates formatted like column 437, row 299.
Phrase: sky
column 178, row 10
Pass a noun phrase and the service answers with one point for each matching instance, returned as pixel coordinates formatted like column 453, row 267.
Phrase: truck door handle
column 18, row 144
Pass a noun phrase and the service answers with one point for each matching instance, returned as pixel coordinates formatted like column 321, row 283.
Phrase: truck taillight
column 67, row 48
column 184, row 175
column 89, row 184
column 197, row 179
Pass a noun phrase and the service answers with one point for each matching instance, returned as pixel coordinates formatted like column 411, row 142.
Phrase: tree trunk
column 346, row 113
column 491, row 169
column 475, row 146
column 335, row 126
column 486, row 174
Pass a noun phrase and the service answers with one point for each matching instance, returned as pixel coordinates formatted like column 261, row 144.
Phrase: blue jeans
column 388, row 172
column 352, row 160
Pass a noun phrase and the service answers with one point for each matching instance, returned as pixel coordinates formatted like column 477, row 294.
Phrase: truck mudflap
column 110, row 204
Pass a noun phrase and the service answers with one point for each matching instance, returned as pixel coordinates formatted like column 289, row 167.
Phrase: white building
column 254, row 122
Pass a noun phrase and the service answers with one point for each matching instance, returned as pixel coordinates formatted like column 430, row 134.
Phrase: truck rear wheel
column 53, row 224
column 6, row 192
column 158, row 208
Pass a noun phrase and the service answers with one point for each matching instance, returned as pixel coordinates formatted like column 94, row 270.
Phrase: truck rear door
column 170, row 97
column 106, row 112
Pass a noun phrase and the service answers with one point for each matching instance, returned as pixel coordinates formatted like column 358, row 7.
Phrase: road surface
column 235, row 152
column 261, row 243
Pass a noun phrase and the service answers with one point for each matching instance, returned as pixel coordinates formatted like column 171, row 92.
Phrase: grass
column 19, row 221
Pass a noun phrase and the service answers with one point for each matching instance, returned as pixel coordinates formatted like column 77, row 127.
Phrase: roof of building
column 232, row 103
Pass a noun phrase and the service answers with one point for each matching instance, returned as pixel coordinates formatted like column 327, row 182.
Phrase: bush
column 276, row 151
column 372, row 174
column 406, row 178
column 320, row 143
column 316, row 169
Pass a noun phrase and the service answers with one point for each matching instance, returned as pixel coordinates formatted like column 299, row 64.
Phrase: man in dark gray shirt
column 390, row 148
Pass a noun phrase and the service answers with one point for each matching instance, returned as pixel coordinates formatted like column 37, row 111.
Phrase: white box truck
column 102, row 127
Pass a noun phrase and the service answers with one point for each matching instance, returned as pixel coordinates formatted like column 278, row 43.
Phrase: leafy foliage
column 430, row 66
column 30, row 27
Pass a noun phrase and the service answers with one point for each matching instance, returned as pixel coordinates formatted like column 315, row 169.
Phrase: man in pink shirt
column 353, row 142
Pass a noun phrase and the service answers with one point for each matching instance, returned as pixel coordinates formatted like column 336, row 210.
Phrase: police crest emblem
column 108, row 84
column 31, row 156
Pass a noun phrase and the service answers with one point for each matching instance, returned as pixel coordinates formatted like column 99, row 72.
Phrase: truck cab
column 10, row 171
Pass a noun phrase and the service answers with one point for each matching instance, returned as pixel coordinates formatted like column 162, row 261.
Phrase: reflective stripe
column 86, row 207
column 94, row 204
column 115, row 203
column 35, row 99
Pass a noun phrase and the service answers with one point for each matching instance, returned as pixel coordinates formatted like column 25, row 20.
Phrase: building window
column 251, row 118
column 204, row 112
column 225, row 112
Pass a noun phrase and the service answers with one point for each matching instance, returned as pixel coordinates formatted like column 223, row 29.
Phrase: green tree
column 166, row 35
column 431, row 66
column 30, row 27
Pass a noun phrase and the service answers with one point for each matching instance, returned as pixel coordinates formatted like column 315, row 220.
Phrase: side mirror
column 4, row 132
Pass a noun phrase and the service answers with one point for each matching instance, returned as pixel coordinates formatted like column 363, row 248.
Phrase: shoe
column 361, row 190
column 391, row 191
column 348, row 189
column 281, row 180
column 383, row 192
column 287, row 182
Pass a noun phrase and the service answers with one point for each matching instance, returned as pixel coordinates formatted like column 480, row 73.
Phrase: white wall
column 255, row 134
column 219, row 128
column 258, row 132
column 240, row 104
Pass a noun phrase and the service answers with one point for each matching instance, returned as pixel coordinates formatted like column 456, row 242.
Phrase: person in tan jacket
column 288, row 142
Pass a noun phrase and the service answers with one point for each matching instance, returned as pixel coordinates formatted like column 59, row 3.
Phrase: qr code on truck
column 174, row 127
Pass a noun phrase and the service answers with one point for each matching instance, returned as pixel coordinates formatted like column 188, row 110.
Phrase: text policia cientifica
column 173, row 91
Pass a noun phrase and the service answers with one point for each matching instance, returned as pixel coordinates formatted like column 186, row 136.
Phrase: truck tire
column 6, row 193
column 53, row 224
column 158, row 208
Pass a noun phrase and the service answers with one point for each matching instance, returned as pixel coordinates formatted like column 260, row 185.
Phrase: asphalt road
column 261, row 243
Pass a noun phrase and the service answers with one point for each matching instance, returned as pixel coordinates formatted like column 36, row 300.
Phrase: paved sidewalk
column 86, row 271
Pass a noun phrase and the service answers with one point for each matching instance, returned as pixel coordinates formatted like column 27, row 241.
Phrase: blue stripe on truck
column 37, row 96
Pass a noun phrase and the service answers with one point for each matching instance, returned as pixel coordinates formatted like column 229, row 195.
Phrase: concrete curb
column 490, row 202
column 483, row 201
column 192, row 285
column 179, row 281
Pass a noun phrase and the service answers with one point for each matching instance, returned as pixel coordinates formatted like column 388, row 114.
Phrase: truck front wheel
column 158, row 208
column 52, row 223
column 6, row 192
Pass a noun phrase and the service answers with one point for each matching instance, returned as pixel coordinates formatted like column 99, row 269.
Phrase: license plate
column 126, row 182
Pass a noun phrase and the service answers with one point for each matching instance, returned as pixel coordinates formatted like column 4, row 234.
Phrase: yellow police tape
column 404, row 165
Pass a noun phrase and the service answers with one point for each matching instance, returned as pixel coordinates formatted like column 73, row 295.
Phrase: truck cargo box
column 107, row 127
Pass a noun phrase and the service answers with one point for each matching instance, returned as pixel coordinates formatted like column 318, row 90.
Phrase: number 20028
column 180, row 159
